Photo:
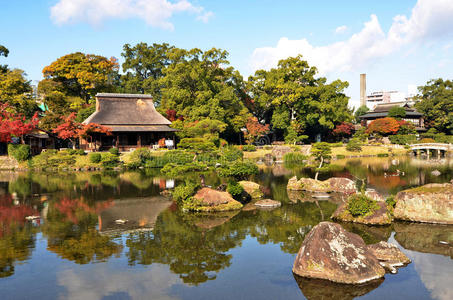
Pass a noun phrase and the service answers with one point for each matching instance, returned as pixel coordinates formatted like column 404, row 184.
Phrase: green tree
column 397, row 112
column 293, row 92
column 143, row 67
column 360, row 112
column 321, row 151
column 3, row 52
column 200, row 85
column 436, row 104
column 81, row 76
column 16, row 90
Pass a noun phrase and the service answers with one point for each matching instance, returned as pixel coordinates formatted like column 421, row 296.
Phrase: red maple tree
column 383, row 126
column 254, row 130
column 13, row 124
column 344, row 129
column 71, row 130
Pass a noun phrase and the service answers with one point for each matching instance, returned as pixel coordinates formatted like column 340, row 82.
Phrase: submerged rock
column 330, row 252
column 334, row 184
column 380, row 216
column 268, row 203
column 252, row 188
column 431, row 203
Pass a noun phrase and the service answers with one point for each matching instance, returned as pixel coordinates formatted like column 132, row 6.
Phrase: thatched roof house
column 133, row 120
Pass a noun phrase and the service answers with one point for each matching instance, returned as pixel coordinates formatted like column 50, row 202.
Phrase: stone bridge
column 427, row 148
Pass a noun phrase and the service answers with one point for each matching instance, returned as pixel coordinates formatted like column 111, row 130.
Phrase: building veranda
column 133, row 121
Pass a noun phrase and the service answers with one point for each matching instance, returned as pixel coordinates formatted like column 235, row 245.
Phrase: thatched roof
column 128, row 112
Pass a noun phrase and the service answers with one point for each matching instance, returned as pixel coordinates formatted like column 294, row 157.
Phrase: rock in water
column 330, row 252
column 379, row 217
column 389, row 255
column 431, row 203
column 334, row 184
column 252, row 188
column 268, row 203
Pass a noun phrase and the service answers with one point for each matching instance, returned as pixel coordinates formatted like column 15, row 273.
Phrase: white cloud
column 430, row 19
column 155, row 13
column 341, row 29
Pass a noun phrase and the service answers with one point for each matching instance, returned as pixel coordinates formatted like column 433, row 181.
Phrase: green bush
column 391, row 202
column 175, row 170
column 239, row 170
column 109, row 160
column 114, row 151
column 235, row 190
column 340, row 156
column 95, row 157
column 173, row 156
column 249, row 148
column 383, row 155
column 354, row 145
column 294, row 158
column 75, row 151
column 361, row 205
column 197, row 144
column 20, row 152
column 185, row 191
column 403, row 139
column 230, row 153
column 139, row 157
column 335, row 145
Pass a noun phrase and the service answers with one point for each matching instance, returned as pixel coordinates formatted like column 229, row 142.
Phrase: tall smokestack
column 362, row 89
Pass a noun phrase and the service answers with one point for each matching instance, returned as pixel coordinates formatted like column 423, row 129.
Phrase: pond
column 112, row 235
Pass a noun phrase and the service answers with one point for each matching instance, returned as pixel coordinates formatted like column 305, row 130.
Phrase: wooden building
column 133, row 121
column 382, row 110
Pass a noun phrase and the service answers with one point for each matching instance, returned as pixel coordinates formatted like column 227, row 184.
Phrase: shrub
column 383, row 155
column 197, row 144
column 114, row 151
column 235, row 190
column 340, row 156
column 19, row 152
column 335, row 145
column 403, row 139
column 390, row 201
column 239, row 170
column 109, row 160
column 267, row 147
column 185, row 191
column 361, row 205
column 230, row 154
column 95, row 157
column 294, row 158
column 175, row 170
column 354, row 145
column 75, row 151
column 249, row 148
column 139, row 157
column 427, row 140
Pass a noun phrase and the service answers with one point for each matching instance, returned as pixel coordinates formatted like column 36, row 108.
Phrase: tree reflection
column 70, row 231
column 17, row 237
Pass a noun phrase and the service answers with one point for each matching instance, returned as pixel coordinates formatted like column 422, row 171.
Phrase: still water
column 77, row 247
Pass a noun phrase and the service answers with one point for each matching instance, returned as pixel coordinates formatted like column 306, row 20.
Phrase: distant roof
column 385, row 107
column 384, row 114
column 116, row 95
column 126, row 109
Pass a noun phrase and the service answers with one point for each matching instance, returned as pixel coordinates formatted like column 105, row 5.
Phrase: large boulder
column 252, row 188
column 334, row 184
column 380, row 216
column 431, row 203
column 330, row 252
column 212, row 200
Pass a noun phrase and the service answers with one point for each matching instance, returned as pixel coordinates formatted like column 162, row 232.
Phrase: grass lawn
column 256, row 154
column 368, row 150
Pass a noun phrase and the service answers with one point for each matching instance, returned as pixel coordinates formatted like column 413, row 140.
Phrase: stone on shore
column 252, row 188
column 279, row 151
column 268, row 203
column 212, row 200
column 389, row 256
column 431, row 203
column 330, row 252
column 334, row 184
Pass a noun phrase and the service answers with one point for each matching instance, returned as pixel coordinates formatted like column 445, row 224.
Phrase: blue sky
column 341, row 38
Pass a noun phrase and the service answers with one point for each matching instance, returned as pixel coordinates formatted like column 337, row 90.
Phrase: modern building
column 381, row 111
column 133, row 120
column 376, row 98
